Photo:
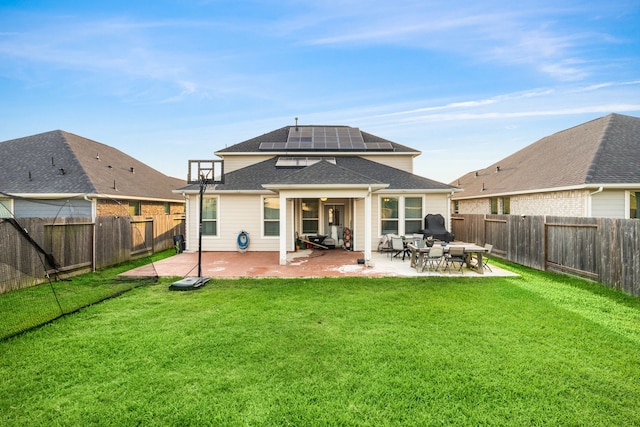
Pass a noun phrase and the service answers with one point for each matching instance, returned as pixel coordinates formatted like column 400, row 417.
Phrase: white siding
column 232, row 163
column 236, row 213
column 404, row 163
column 609, row 204
column 191, row 210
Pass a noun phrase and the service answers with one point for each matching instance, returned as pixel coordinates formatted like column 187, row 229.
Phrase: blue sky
column 467, row 83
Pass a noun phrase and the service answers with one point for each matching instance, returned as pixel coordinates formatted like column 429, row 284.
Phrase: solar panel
column 379, row 146
column 326, row 138
column 273, row 146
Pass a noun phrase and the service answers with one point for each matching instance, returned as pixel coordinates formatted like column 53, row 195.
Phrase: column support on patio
column 367, row 226
column 283, row 229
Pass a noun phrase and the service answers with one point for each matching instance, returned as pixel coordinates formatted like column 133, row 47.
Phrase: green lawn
column 540, row 349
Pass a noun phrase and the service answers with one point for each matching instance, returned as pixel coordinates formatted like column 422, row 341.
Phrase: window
column 5, row 208
column 167, row 208
column 135, row 208
column 494, row 205
column 633, row 204
column 456, row 206
column 271, row 212
column 310, row 215
column 506, row 205
column 210, row 216
column 412, row 215
column 389, row 215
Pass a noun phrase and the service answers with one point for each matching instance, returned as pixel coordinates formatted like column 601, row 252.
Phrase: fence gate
column 141, row 236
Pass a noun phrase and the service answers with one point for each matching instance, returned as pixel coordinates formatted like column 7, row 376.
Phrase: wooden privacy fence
column 78, row 245
column 602, row 249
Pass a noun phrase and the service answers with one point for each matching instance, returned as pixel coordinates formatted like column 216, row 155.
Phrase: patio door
column 333, row 220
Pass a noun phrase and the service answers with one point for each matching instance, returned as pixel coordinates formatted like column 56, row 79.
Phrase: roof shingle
column 60, row 162
column 602, row 151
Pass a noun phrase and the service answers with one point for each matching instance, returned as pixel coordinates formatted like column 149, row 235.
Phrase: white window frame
column 401, row 210
column 217, row 219
column 263, row 220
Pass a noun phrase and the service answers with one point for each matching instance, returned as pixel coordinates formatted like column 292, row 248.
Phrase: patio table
column 418, row 254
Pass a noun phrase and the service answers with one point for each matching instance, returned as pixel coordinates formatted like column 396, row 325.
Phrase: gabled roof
column 350, row 170
column 281, row 135
column 59, row 162
column 604, row 151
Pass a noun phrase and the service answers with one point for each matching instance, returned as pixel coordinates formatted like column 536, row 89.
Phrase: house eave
column 277, row 187
column 222, row 154
column 419, row 190
column 548, row 190
column 48, row 196
column 215, row 191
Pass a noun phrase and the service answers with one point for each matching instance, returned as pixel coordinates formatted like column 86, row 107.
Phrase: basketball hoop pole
column 204, row 168
column 203, row 186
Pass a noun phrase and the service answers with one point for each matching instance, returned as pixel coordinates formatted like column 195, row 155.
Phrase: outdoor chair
column 433, row 259
column 384, row 245
column 486, row 256
column 398, row 247
column 455, row 256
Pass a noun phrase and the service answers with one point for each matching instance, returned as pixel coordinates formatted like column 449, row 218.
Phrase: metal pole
column 202, row 187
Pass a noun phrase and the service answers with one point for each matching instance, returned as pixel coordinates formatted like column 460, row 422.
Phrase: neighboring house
column 58, row 174
column 590, row 170
column 333, row 181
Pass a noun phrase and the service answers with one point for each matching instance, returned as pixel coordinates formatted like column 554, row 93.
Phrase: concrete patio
column 303, row 263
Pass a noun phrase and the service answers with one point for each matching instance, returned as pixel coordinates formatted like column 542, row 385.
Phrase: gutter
column 599, row 190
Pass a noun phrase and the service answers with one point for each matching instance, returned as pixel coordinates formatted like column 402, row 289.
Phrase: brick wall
column 558, row 203
column 108, row 207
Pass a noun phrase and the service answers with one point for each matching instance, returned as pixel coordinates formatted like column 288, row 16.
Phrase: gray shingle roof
column 324, row 173
column 280, row 135
column 348, row 170
column 63, row 163
column 602, row 151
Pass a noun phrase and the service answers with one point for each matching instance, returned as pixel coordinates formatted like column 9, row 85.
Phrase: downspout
column 589, row 202
column 449, row 208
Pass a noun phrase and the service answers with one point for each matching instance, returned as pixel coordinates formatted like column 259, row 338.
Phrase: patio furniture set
column 437, row 256
column 442, row 256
